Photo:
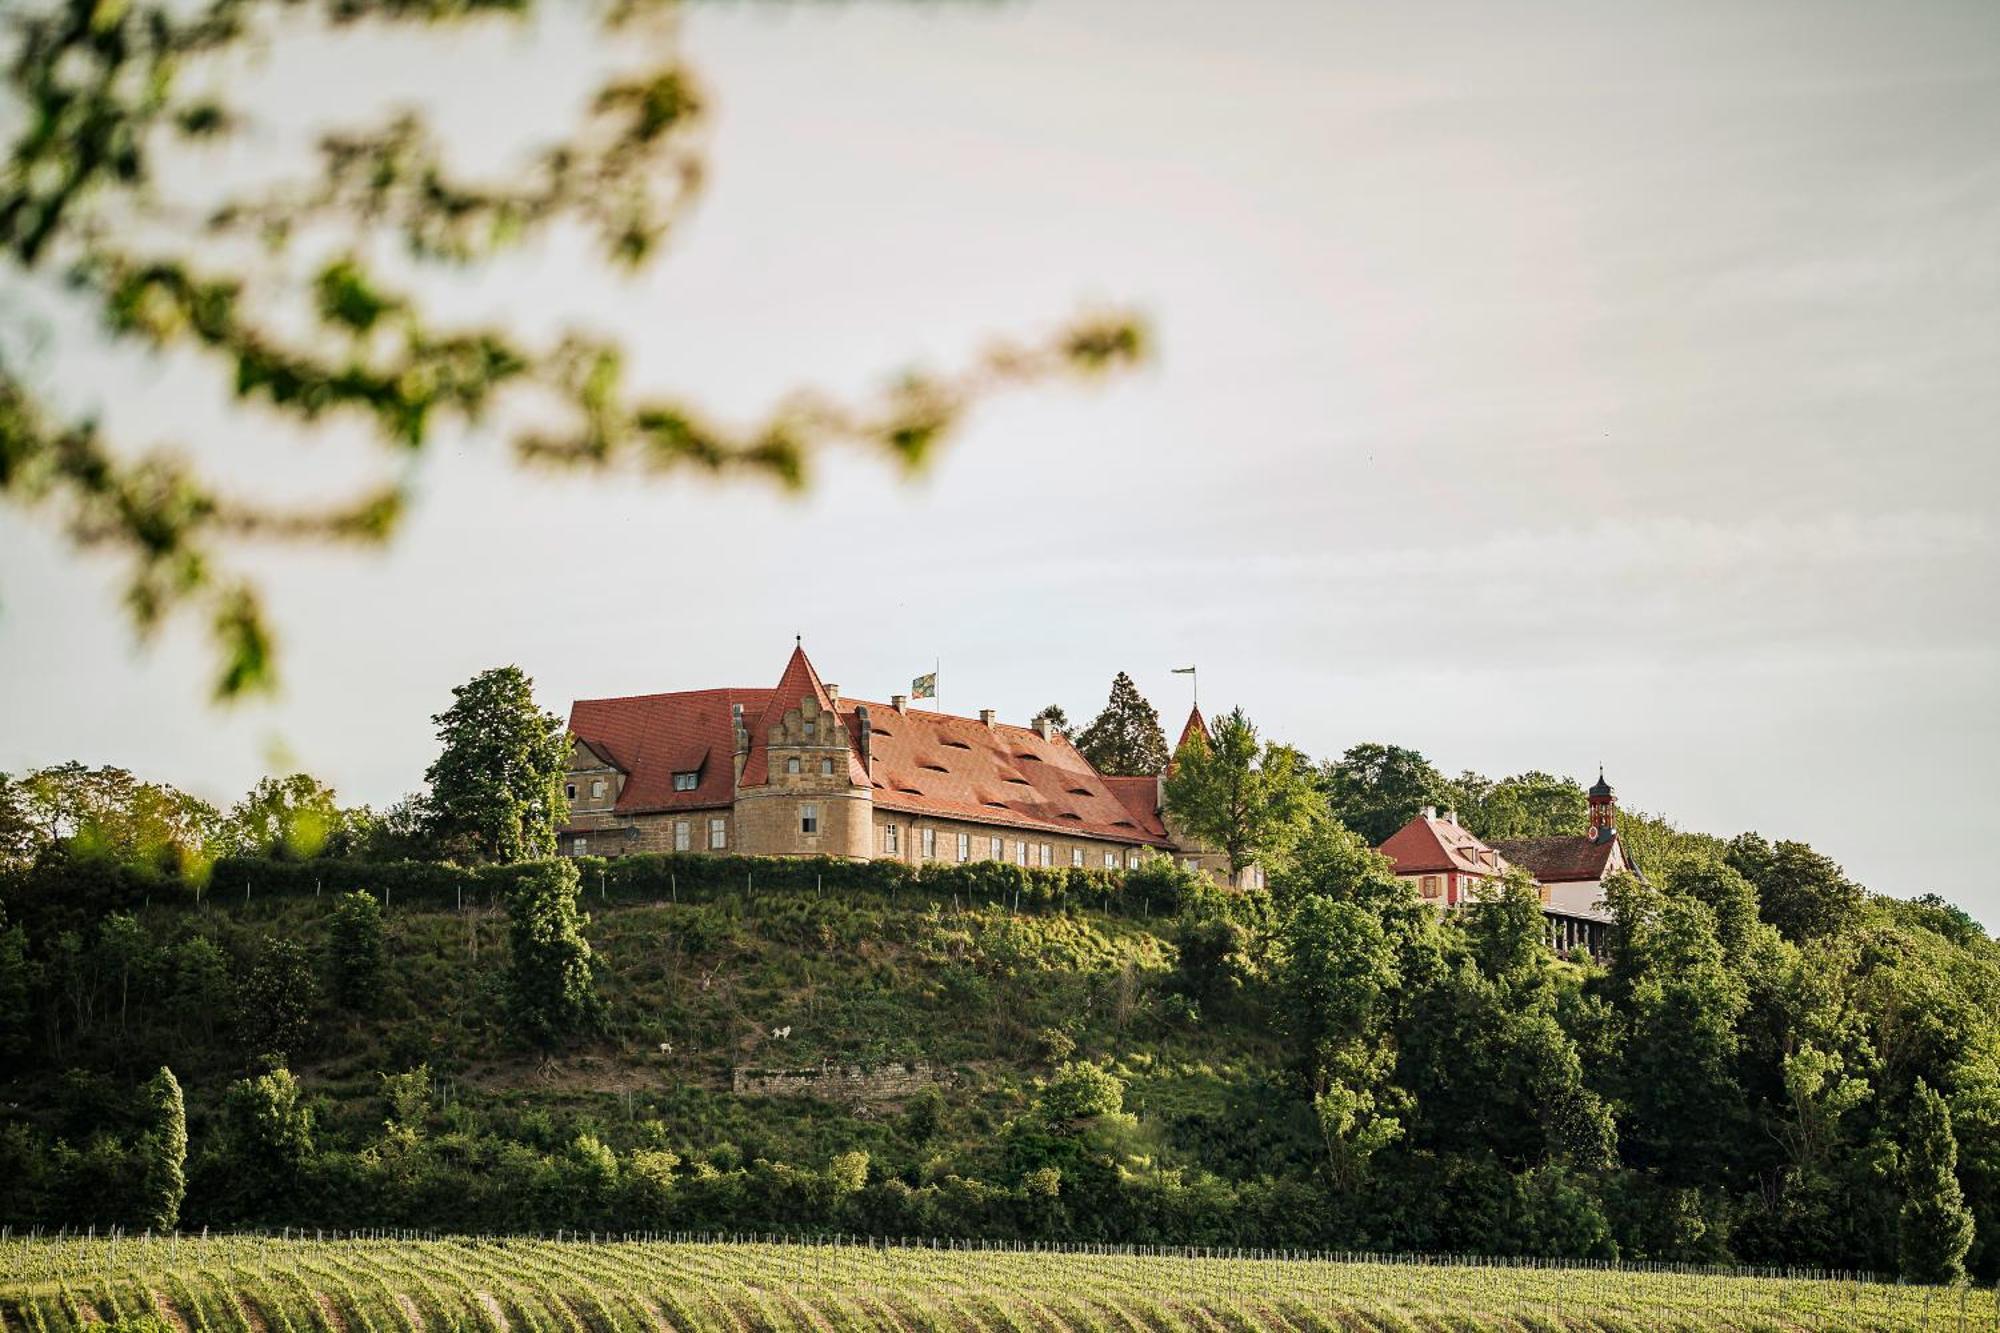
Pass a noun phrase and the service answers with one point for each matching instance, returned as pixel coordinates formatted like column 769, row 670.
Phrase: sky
column 1539, row 385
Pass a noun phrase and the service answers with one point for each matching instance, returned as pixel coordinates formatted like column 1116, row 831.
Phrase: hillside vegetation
column 1081, row 1058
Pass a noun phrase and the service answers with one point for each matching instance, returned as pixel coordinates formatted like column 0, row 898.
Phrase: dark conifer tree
column 1935, row 1229
column 163, row 1153
column 1125, row 740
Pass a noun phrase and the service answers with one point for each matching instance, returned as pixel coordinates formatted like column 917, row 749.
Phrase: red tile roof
column 651, row 737
column 959, row 768
column 1559, row 860
column 799, row 683
column 1428, row 845
column 1197, row 725
column 924, row 763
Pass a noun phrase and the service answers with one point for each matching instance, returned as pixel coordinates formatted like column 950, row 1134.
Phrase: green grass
column 264, row 1285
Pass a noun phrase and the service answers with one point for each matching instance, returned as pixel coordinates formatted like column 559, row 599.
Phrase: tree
column 497, row 784
column 1125, row 740
column 1528, row 805
column 17, row 979
column 291, row 818
column 308, row 289
column 126, row 947
column 1080, row 1091
column 1935, row 1228
column 17, row 831
column 550, row 989
column 275, row 1002
column 1802, row 893
column 163, row 1152
column 267, row 1138
column 355, row 951
column 1250, row 801
column 107, row 813
column 1054, row 716
column 1375, row 789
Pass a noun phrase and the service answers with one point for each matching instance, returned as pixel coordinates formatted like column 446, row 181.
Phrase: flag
column 924, row 687
column 1183, row 671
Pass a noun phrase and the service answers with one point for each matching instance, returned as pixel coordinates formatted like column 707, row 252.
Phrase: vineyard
column 242, row 1284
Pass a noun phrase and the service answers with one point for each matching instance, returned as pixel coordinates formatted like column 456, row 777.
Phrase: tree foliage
column 355, row 952
column 496, row 790
column 1125, row 739
column 164, row 1150
column 551, row 992
column 1375, row 789
column 306, row 288
column 1935, row 1228
column 1251, row 800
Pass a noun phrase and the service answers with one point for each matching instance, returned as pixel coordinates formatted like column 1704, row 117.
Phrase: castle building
column 799, row 770
column 1447, row 863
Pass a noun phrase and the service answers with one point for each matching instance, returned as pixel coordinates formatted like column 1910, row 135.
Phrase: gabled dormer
column 592, row 779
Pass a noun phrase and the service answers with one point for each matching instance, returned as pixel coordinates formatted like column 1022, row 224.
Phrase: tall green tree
column 1528, row 805
column 1125, row 740
column 303, row 285
column 275, row 1001
column 1934, row 1230
column 292, row 817
column 163, row 1152
column 496, row 789
column 1375, row 789
column 354, row 951
column 1248, row 799
column 552, row 993
column 266, row 1140
column 1801, row 892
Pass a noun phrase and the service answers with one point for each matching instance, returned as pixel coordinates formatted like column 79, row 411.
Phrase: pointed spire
column 1197, row 727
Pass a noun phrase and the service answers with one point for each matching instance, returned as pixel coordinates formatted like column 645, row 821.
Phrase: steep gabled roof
column 951, row 767
column 1428, row 845
column 1197, row 726
column 1559, row 860
column 653, row 736
column 799, row 683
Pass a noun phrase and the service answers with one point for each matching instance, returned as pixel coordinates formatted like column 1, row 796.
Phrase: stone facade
column 799, row 771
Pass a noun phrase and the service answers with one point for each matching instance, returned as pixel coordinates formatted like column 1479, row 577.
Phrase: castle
column 1447, row 864
column 798, row 770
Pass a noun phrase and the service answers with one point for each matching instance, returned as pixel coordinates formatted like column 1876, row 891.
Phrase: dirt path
column 168, row 1312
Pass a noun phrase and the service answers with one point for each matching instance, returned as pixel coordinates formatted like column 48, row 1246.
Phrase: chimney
column 833, row 693
column 900, row 702
column 986, row 716
column 1430, row 812
column 1046, row 727
column 1451, row 817
column 865, row 739
column 736, row 726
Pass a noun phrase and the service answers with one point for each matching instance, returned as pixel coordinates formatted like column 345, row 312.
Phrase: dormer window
column 812, row 730
column 597, row 789
column 570, row 789
column 686, row 781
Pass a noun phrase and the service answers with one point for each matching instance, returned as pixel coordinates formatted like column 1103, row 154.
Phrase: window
column 826, row 768
column 892, row 839
column 1076, row 857
column 581, row 847
column 812, row 730
column 792, row 765
column 1111, row 860
column 965, row 846
column 1430, row 886
column 997, row 849
column 1132, row 859
column 596, row 789
column 1188, row 863
column 571, row 789
column 1048, row 855
column 930, row 844
column 681, row 839
column 809, row 819
column 1020, row 853
column 718, row 834
column 686, row 781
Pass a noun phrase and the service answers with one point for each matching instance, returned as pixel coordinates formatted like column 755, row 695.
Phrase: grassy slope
column 972, row 992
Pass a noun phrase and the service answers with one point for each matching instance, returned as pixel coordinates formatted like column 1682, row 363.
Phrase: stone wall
column 848, row 1085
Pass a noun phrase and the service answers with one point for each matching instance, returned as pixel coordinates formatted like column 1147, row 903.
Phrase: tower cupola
column 1603, row 808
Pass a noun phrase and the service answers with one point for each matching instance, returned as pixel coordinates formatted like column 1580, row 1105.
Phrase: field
column 271, row 1285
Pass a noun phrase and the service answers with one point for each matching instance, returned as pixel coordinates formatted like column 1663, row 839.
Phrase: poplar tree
column 1935, row 1229
column 163, row 1153
column 496, row 786
column 355, row 950
column 550, row 988
column 1125, row 740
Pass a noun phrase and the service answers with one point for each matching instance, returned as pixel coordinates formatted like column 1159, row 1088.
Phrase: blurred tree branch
column 276, row 291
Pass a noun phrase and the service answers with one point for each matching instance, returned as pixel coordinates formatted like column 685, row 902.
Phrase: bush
column 355, row 951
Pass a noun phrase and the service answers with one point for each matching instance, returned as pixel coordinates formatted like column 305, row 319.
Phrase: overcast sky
column 1536, row 385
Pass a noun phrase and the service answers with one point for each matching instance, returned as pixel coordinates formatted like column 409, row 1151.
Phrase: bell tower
column 1603, row 808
